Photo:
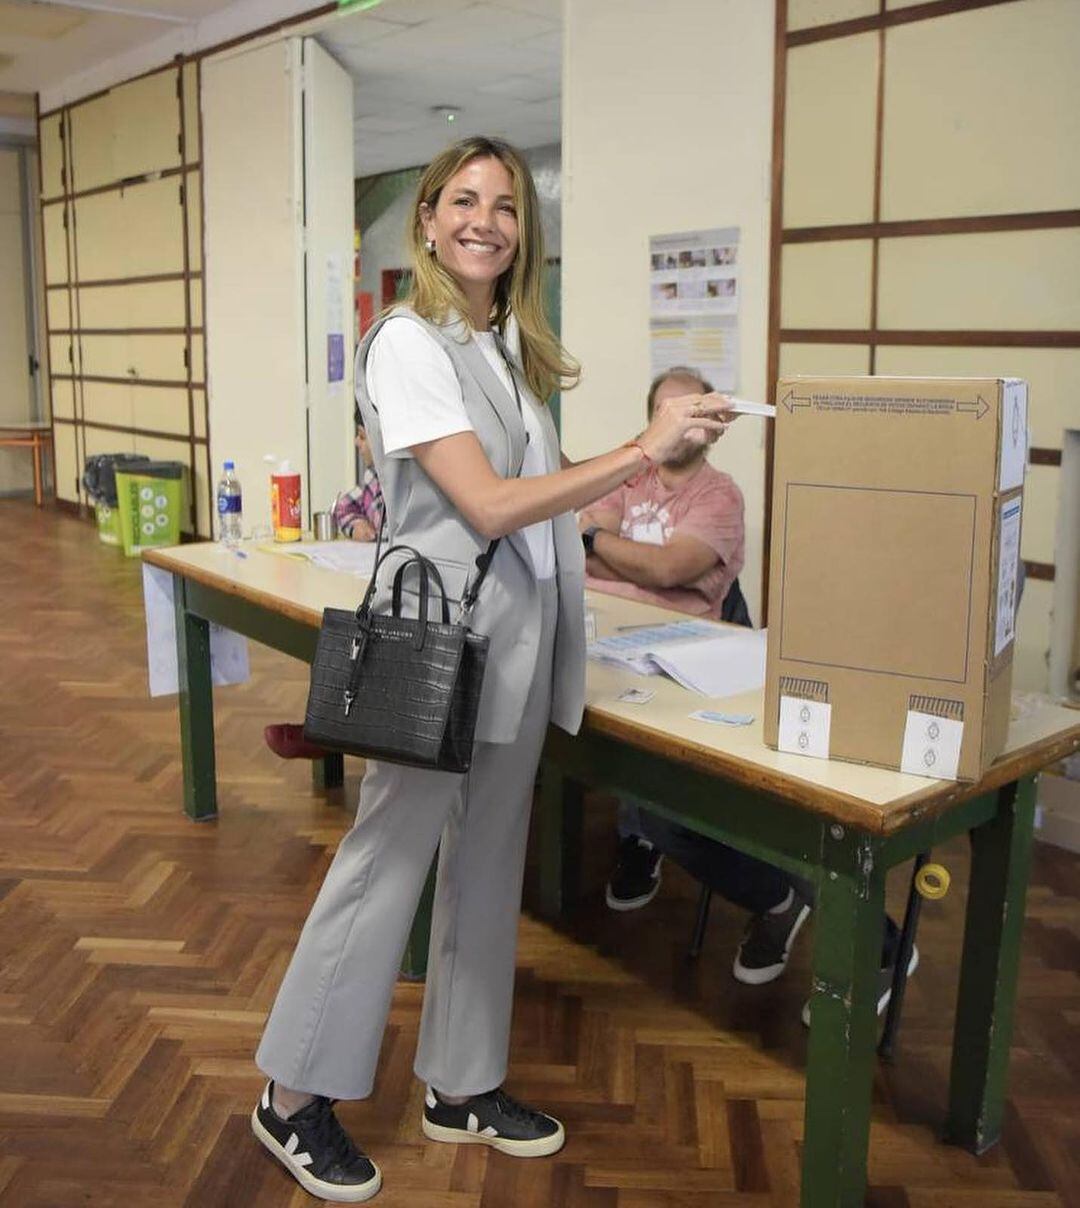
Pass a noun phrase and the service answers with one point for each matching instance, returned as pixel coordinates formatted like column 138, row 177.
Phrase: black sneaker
column 493, row 1119
column 636, row 879
column 885, row 975
column 766, row 944
column 316, row 1150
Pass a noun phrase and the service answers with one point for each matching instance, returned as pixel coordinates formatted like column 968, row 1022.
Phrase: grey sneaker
column 766, row 944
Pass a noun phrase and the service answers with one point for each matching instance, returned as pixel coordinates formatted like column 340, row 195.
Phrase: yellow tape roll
column 933, row 881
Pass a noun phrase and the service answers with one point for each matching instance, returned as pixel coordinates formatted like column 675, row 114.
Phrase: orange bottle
column 285, row 503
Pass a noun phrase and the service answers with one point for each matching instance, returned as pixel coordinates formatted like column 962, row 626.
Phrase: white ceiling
column 43, row 42
column 499, row 62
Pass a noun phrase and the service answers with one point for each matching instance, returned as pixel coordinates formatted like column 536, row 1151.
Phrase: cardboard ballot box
column 897, row 505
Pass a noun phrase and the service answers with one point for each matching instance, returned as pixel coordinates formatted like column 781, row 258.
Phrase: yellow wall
column 667, row 113
column 980, row 117
column 120, row 204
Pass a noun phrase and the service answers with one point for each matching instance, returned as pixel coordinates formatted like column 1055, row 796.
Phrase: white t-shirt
column 415, row 390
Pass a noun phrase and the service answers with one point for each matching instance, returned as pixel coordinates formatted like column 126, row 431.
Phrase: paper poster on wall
column 1008, row 573
column 694, row 303
column 335, row 319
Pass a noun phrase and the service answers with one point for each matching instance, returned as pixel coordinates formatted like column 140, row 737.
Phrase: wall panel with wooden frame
column 926, row 216
column 122, row 229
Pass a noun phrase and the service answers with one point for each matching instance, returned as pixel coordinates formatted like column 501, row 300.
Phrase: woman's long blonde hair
column 434, row 293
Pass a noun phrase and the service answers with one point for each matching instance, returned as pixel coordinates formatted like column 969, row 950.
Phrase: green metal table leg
column 414, row 962
column 328, row 773
column 1000, row 860
column 561, row 816
column 196, row 708
column 840, row 1063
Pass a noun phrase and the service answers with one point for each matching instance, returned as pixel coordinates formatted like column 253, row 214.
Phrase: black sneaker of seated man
column 884, row 983
column 316, row 1150
column 494, row 1119
column 766, row 943
column 636, row 879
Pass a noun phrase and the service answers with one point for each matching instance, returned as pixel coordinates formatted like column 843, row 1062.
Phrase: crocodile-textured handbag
column 394, row 688
column 398, row 689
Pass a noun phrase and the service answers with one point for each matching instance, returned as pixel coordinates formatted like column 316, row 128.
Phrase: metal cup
column 325, row 526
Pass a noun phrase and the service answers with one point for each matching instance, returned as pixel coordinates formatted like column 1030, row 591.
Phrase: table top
column 873, row 798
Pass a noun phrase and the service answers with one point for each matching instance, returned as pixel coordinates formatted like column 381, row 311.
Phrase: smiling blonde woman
column 466, row 453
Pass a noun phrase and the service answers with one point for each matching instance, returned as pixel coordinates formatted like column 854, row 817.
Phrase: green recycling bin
column 99, row 481
column 150, row 500
column 108, row 523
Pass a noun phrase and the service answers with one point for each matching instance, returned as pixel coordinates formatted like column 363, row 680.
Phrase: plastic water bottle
column 230, row 507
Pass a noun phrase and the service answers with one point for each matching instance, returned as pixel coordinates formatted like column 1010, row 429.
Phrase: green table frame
column 848, row 866
column 197, row 605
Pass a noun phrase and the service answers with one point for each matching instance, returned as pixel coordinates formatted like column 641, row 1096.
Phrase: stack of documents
column 713, row 660
column 350, row 557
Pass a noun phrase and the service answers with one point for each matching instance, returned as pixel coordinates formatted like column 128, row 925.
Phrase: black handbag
column 394, row 688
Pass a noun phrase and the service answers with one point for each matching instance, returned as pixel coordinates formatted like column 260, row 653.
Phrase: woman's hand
column 697, row 419
column 362, row 531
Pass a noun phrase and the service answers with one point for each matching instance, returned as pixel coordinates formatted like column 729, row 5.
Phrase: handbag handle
column 363, row 612
column 426, row 567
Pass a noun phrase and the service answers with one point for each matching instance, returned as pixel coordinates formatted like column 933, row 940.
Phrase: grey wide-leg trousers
column 326, row 1026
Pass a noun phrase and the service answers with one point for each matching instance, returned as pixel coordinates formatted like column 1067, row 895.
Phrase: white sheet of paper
column 1014, row 434
column 931, row 746
column 1008, row 570
column 350, row 557
column 725, row 665
column 632, row 648
column 804, row 727
column 745, row 406
column 228, row 650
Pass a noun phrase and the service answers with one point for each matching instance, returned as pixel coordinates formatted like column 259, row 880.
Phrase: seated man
column 674, row 537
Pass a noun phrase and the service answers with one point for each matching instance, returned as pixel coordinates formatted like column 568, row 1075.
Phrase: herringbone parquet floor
column 139, row 953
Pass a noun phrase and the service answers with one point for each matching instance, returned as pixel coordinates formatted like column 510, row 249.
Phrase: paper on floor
column 228, row 650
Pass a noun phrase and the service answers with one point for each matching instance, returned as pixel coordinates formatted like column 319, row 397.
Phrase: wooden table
column 30, row 435
column 841, row 825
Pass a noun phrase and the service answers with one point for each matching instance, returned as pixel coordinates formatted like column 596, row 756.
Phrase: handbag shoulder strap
column 483, row 560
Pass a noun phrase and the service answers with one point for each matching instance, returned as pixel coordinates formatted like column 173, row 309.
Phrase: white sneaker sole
column 883, row 1000
column 333, row 1192
column 542, row 1147
column 622, row 904
column 761, row 977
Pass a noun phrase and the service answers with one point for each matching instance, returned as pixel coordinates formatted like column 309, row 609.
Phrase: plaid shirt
column 363, row 502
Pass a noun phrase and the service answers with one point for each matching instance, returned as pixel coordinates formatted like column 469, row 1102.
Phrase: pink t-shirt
column 708, row 506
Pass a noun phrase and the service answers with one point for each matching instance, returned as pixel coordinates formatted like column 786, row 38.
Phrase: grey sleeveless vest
column 420, row 515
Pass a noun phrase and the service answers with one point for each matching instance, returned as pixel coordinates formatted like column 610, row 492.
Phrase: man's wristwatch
column 589, row 536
